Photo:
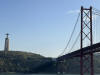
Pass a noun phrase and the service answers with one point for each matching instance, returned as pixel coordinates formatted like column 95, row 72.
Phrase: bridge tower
column 86, row 61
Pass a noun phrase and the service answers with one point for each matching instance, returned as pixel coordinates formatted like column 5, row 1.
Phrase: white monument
column 6, row 48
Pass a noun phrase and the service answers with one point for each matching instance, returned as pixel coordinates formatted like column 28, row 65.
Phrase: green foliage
column 23, row 62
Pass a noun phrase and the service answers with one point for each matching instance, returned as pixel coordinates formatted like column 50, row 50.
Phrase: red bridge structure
column 85, row 53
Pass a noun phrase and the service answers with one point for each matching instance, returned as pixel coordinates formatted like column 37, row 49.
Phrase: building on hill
column 6, row 47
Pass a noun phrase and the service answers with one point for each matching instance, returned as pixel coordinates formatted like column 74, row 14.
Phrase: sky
column 40, row 26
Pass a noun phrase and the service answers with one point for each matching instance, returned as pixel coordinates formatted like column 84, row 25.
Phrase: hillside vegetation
column 23, row 62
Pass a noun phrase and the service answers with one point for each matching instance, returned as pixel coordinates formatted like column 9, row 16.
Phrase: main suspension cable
column 71, row 35
column 75, row 42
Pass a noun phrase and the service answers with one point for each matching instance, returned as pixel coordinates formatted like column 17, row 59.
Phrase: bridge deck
column 86, row 50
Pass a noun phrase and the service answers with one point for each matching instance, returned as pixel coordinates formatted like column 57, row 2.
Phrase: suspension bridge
column 85, row 53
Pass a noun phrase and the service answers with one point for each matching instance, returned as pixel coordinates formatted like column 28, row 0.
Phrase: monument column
column 6, row 48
